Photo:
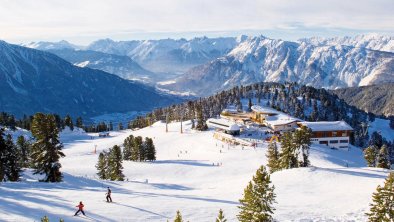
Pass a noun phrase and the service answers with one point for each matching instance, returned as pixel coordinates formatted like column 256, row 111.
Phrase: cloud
column 89, row 19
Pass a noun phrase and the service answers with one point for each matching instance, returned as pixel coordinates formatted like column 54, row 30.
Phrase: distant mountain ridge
column 262, row 59
column 37, row 81
column 122, row 66
column 377, row 99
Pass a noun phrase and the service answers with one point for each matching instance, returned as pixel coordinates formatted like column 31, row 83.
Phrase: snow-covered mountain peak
column 63, row 44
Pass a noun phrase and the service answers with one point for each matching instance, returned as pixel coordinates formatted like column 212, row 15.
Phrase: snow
column 382, row 126
column 327, row 125
column 186, row 177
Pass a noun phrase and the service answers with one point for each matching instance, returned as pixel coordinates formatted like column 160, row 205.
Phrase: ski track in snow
column 327, row 191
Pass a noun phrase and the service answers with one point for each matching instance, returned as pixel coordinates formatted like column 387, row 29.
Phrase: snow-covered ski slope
column 184, row 178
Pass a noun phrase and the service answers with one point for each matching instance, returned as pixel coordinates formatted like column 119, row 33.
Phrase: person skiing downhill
column 109, row 199
column 80, row 209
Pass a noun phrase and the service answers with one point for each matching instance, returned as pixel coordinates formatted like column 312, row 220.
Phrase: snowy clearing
column 184, row 178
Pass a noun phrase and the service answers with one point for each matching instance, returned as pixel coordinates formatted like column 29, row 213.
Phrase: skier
column 109, row 199
column 80, row 209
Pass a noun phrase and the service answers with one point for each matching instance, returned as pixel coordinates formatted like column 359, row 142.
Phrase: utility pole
column 181, row 123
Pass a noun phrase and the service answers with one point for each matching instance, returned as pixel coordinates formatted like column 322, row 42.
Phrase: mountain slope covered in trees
column 377, row 99
column 36, row 81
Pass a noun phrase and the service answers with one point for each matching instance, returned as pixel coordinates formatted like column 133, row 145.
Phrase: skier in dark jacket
column 80, row 209
column 109, row 199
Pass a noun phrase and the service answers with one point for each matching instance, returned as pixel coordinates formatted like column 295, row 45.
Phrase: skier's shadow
column 143, row 210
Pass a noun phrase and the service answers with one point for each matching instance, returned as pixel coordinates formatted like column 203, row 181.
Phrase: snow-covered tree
column 46, row 151
column 220, row 217
column 382, row 207
column 258, row 198
column 273, row 157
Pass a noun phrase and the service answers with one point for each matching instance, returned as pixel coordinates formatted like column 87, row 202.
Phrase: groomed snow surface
column 184, row 178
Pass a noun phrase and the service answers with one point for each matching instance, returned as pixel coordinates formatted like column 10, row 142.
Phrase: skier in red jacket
column 80, row 209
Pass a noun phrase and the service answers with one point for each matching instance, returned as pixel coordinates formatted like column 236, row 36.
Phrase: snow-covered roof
column 327, row 125
column 223, row 124
column 260, row 109
column 280, row 119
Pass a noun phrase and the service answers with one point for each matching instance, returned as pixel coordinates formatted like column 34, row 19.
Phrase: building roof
column 260, row 109
column 223, row 124
column 327, row 125
column 280, row 119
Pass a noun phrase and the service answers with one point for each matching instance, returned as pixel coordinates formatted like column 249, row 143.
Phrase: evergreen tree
column 143, row 151
column 391, row 123
column 115, row 167
column 178, row 217
column 137, row 146
column 383, row 158
column 68, row 122
column 3, row 152
column 45, row 219
column 79, row 122
column 150, row 149
column 250, row 104
column 221, row 217
column 46, row 151
column 102, row 166
column 128, row 144
column 302, row 141
column 273, row 157
column 201, row 124
column 370, row 155
column 288, row 158
column 12, row 165
column 382, row 208
column 24, row 148
column 120, row 126
column 259, row 196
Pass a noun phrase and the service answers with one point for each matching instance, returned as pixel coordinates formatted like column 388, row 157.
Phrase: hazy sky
column 82, row 21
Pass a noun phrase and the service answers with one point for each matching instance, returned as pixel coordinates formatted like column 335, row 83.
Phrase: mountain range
column 38, row 81
column 202, row 66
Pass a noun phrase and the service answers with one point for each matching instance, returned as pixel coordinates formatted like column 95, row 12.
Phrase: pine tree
column 115, row 164
column 128, row 144
column 201, row 124
column 102, row 166
column 79, row 122
column 383, row 158
column 3, row 151
column 135, row 151
column 12, row 165
column 143, row 151
column 370, row 155
column 46, row 151
column 259, row 196
column 382, row 208
column 221, row 217
column 150, row 149
column 287, row 157
column 24, row 148
column 178, row 217
column 120, row 126
column 302, row 142
column 45, row 219
column 273, row 157
column 68, row 122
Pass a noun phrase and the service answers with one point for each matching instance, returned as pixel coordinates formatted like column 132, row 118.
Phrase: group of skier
column 81, row 206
